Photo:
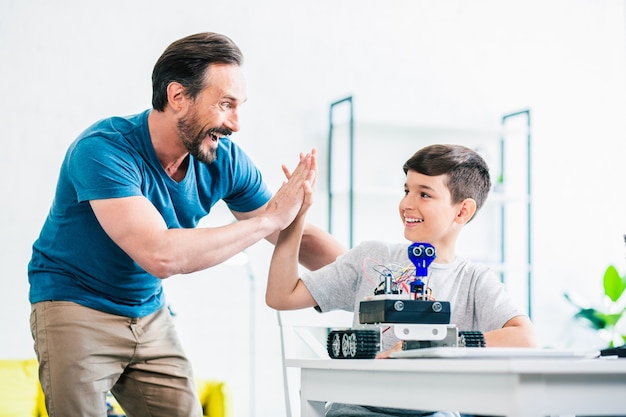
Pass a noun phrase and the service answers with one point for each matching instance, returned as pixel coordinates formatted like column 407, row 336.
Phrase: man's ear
column 176, row 96
column 467, row 209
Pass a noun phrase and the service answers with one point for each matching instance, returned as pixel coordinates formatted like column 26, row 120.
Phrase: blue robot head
column 422, row 255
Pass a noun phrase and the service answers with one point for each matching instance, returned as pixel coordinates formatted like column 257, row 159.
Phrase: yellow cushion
column 21, row 394
column 41, row 402
column 20, row 391
column 215, row 397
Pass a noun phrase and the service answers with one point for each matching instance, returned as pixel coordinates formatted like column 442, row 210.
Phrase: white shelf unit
column 366, row 183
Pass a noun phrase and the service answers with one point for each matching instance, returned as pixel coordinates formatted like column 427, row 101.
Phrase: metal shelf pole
column 333, row 106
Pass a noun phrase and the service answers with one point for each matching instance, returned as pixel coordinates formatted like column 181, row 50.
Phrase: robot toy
column 416, row 319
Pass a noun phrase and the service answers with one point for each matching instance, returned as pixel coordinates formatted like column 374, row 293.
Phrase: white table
column 502, row 387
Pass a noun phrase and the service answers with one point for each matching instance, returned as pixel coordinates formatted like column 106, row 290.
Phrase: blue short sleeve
column 101, row 169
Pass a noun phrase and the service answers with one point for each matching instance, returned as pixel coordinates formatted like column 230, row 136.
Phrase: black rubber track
column 353, row 344
column 471, row 339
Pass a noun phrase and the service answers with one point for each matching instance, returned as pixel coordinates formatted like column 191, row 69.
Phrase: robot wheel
column 471, row 339
column 353, row 344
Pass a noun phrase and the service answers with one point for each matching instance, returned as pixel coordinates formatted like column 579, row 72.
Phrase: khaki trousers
column 84, row 353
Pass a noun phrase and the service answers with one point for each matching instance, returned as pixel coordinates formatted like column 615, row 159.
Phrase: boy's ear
column 467, row 209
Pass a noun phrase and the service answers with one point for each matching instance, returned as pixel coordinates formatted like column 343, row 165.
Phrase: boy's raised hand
column 308, row 184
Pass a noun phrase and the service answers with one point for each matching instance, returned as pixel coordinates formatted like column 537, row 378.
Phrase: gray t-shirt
column 477, row 297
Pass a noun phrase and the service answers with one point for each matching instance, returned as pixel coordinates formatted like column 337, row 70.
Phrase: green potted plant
column 607, row 320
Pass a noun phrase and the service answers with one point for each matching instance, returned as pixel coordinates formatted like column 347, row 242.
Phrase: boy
column 445, row 186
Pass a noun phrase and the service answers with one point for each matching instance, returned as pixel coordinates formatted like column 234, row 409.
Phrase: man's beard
column 193, row 141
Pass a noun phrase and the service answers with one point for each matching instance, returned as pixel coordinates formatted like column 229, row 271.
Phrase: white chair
column 303, row 335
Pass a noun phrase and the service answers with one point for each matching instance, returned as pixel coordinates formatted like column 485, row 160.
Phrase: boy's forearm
column 509, row 337
column 283, row 271
column 519, row 332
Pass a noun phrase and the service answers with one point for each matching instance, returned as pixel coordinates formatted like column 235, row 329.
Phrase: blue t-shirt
column 75, row 260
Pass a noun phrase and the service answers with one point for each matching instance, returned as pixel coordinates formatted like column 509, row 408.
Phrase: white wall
column 65, row 64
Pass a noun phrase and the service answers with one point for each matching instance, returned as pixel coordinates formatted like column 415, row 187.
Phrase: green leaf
column 595, row 318
column 614, row 284
column 610, row 320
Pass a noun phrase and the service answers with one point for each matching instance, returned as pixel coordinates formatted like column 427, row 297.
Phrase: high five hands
column 296, row 193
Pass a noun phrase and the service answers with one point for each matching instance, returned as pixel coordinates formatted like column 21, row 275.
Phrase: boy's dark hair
column 467, row 172
column 187, row 60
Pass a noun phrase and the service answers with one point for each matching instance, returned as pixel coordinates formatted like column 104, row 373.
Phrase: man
column 130, row 192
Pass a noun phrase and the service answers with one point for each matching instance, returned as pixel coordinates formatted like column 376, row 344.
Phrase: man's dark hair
column 467, row 172
column 186, row 61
